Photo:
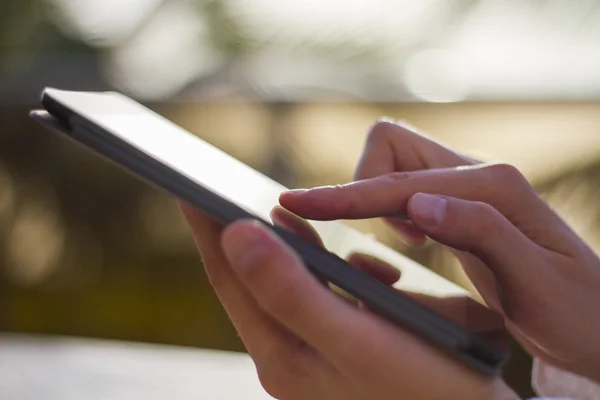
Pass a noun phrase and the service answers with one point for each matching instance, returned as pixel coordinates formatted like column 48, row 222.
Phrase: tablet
column 164, row 154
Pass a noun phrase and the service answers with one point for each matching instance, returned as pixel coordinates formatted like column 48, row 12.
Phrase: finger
column 206, row 233
column 463, row 310
column 350, row 338
column 294, row 223
column 469, row 314
column 266, row 340
column 407, row 231
column 380, row 270
column 482, row 278
column 282, row 217
column 283, row 287
column 392, row 146
column 499, row 185
column 480, row 229
column 376, row 268
column 373, row 266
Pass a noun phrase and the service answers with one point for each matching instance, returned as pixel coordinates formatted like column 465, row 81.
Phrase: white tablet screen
column 210, row 167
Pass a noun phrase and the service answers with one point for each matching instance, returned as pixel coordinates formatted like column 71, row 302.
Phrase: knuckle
column 384, row 128
column 482, row 209
column 341, row 189
column 283, row 374
column 398, row 176
column 348, row 208
column 269, row 376
column 484, row 219
column 381, row 130
column 507, row 173
column 283, row 299
column 346, row 203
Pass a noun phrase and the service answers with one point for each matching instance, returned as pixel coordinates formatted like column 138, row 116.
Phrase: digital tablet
column 179, row 162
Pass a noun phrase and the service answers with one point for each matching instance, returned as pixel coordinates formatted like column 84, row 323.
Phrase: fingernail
column 296, row 191
column 428, row 209
column 245, row 246
column 281, row 217
column 277, row 220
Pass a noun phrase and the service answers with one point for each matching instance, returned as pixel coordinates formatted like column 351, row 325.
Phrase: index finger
column 499, row 185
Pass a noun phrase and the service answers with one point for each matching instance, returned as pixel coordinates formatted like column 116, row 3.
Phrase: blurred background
column 290, row 88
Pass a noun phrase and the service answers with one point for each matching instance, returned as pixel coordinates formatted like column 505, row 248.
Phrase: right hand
column 524, row 260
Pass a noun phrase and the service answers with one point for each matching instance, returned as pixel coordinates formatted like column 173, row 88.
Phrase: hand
column 306, row 342
column 463, row 310
column 524, row 260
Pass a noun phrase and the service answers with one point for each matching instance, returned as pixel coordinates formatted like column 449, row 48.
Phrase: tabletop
column 52, row 368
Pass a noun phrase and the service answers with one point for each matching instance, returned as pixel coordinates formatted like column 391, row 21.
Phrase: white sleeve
column 548, row 380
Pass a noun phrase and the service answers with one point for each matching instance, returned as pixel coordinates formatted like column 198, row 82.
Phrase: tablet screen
column 212, row 168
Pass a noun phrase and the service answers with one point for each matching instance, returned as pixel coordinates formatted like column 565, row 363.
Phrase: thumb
column 480, row 229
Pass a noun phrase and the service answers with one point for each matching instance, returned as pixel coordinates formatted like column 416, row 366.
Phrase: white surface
column 35, row 368
column 209, row 166
column 489, row 49
column 60, row 368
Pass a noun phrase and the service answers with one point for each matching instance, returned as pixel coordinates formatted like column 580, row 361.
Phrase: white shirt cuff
column 552, row 382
